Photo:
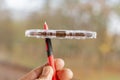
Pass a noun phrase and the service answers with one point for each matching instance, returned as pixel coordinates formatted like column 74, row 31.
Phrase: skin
column 45, row 72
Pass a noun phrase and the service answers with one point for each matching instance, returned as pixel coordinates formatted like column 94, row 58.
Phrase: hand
column 46, row 72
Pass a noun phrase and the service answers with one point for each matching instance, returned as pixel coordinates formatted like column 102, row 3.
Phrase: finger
column 47, row 73
column 34, row 74
column 59, row 63
column 65, row 74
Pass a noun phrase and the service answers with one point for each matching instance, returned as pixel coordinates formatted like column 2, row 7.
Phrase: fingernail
column 46, row 71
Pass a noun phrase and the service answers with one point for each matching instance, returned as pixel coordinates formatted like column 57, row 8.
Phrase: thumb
column 47, row 73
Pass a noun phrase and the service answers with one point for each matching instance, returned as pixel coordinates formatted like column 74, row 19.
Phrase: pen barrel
column 49, row 47
column 51, row 63
column 51, row 57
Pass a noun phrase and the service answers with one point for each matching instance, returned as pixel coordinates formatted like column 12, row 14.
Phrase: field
column 10, row 71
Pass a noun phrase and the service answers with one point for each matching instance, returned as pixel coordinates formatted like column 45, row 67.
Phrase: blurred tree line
column 69, row 14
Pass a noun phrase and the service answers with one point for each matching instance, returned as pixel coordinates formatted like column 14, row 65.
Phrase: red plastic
column 51, row 63
column 51, row 58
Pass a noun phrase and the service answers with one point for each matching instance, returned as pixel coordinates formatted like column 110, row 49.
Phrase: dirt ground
column 9, row 71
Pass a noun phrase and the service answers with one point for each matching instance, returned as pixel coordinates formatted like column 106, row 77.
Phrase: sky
column 20, row 9
column 114, row 23
column 24, row 4
column 29, row 5
column 18, row 6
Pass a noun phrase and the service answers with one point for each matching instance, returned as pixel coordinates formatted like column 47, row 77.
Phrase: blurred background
column 92, row 59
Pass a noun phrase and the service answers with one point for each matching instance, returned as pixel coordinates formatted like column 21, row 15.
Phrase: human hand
column 46, row 72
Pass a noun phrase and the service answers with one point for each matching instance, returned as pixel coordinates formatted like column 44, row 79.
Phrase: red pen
column 50, row 53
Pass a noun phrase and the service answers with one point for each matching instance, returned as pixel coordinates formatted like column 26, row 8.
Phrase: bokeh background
column 92, row 59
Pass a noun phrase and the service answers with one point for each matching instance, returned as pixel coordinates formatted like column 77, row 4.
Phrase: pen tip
column 45, row 25
column 45, row 22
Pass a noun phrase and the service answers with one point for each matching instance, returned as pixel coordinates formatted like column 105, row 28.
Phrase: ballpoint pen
column 61, row 34
column 50, row 53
